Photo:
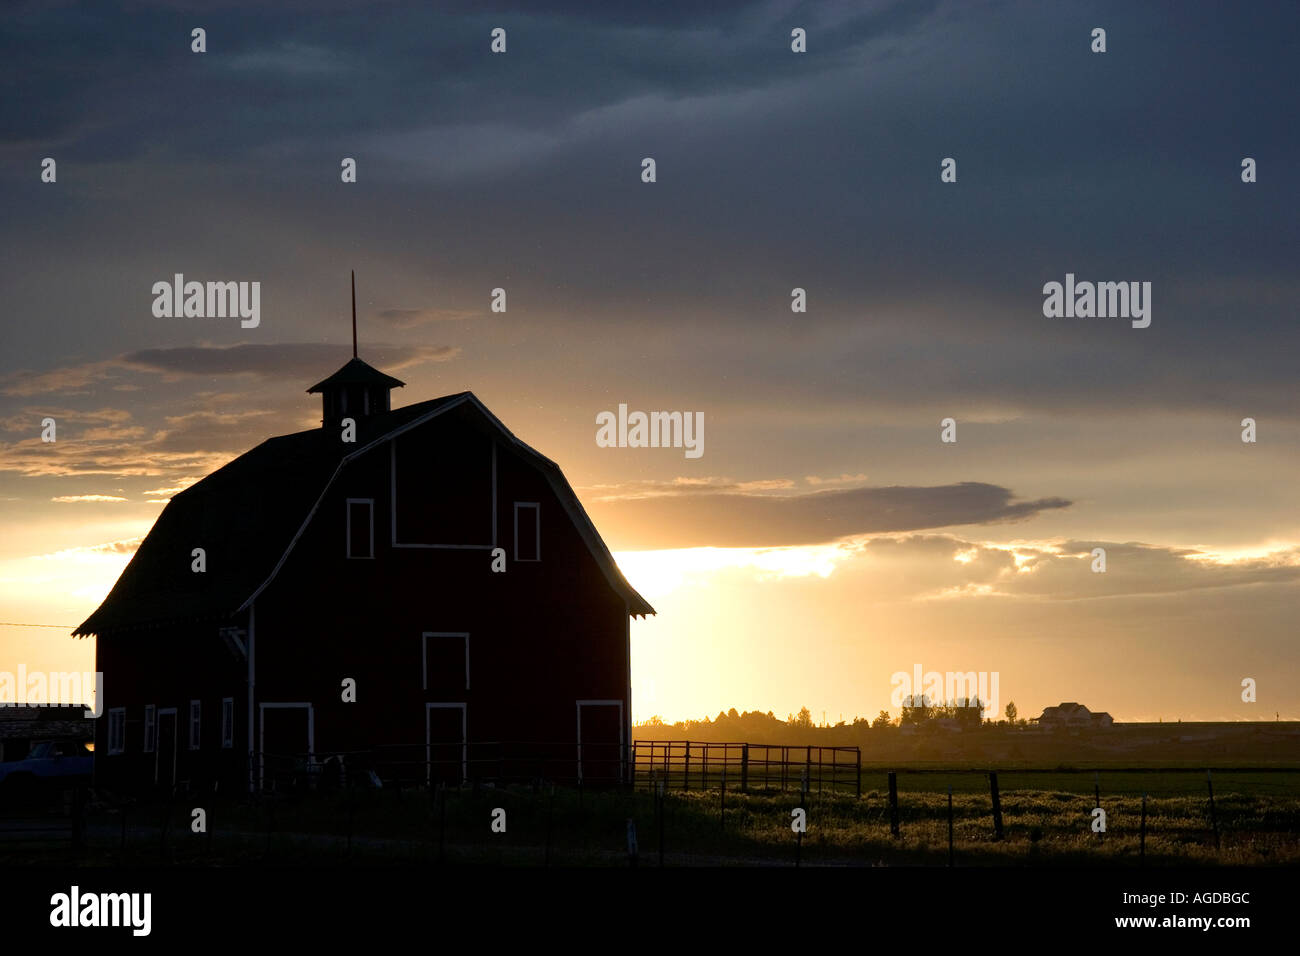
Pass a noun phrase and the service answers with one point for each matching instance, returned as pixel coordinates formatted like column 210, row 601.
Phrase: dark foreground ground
column 1046, row 820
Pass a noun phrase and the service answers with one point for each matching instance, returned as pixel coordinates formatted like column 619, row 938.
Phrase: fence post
column 893, row 803
column 722, row 800
column 744, row 768
column 659, row 804
column 686, row 768
column 1142, row 833
column 858, row 753
column 1214, row 824
column 997, row 805
column 798, row 836
column 631, row 843
column 1096, row 791
column 950, row 824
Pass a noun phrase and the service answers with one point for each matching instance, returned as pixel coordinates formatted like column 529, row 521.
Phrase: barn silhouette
column 369, row 561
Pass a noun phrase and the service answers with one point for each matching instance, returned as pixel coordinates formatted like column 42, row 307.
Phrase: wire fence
column 676, row 764
column 722, row 801
column 684, row 764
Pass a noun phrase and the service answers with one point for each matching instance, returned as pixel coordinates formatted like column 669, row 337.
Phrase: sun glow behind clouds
column 656, row 574
column 696, row 651
column 1274, row 552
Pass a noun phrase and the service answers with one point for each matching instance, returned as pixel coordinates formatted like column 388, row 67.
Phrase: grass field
column 1046, row 820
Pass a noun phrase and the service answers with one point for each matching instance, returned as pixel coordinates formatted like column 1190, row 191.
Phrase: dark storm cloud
column 775, row 170
column 289, row 360
column 749, row 521
column 352, row 70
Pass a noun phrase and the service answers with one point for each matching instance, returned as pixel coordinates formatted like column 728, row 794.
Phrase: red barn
column 411, row 599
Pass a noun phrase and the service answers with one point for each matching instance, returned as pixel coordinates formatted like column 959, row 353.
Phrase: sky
column 826, row 538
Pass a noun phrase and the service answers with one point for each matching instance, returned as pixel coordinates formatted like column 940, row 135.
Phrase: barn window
column 150, row 727
column 446, row 660
column 116, row 730
column 195, row 715
column 228, row 722
column 361, row 527
column 528, row 531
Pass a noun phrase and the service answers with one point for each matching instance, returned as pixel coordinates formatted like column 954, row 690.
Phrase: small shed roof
column 357, row 372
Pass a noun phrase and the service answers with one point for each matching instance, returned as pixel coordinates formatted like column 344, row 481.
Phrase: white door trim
column 176, row 730
column 261, row 734
column 347, row 545
column 464, row 741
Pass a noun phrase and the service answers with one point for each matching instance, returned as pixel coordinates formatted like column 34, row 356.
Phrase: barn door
column 600, row 742
column 446, row 745
column 287, row 745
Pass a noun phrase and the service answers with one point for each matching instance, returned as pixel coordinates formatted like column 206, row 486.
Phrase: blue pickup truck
column 50, row 765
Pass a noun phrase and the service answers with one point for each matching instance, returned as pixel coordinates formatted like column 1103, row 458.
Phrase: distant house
column 1072, row 716
column 436, row 564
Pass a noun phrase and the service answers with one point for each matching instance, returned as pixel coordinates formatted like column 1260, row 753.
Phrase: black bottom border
column 493, row 905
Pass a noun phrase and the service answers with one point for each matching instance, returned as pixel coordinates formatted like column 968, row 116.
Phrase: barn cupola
column 357, row 390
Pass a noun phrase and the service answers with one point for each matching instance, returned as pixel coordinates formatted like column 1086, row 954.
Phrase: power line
column 12, row 624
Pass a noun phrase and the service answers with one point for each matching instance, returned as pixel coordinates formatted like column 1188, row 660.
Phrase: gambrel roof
column 248, row 515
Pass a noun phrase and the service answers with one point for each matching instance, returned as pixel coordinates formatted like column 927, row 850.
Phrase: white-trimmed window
column 361, row 528
column 116, row 730
column 528, row 531
column 445, row 657
column 196, row 714
column 227, row 722
column 150, row 727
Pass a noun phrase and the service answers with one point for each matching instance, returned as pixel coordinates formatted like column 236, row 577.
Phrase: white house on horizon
column 1071, row 715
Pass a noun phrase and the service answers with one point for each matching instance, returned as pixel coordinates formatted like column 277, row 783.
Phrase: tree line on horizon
column 917, row 712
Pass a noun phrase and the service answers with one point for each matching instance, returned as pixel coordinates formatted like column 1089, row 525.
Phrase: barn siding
column 543, row 635
column 168, row 667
